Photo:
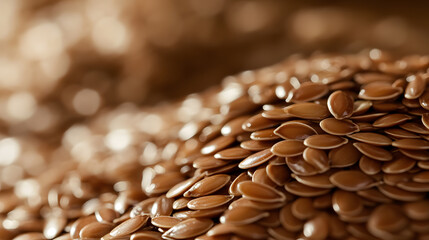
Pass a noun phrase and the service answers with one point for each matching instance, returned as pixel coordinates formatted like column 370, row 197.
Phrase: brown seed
column 182, row 187
column 259, row 192
column 423, row 165
column 342, row 85
column 256, row 159
column 388, row 107
column 424, row 100
column 359, row 231
column 374, row 195
column 207, row 185
column 208, row 162
column 302, row 208
column 163, row 182
column 324, row 141
column 264, row 135
column 79, row 224
column 146, row 235
column 189, row 228
column 394, row 179
column 316, row 181
column 421, row 177
column 208, row 202
column 233, row 127
column 344, row 156
column 351, row 180
column 206, row 213
column 391, row 120
column 338, row 127
column 411, row 144
column 415, row 87
column 255, row 204
column 417, row 210
column 295, row 130
column 217, row 144
column 288, row 148
column 411, row 103
column 233, row 153
column 422, row 155
column 309, row 91
column 310, row 111
column 317, row 158
column 253, row 145
column 387, row 218
column 372, row 138
column 400, row 133
column 379, row 91
column 129, row 226
column 365, row 127
column 258, row 122
column 233, row 188
column 400, row 194
column 163, row 206
column 249, row 231
column 425, row 120
column 415, row 127
column 273, row 219
column 276, row 114
column 317, row 228
column 242, row 215
column 340, row 105
column 165, row 221
column 95, row 230
column 224, row 169
column 400, row 164
column 360, row 107
column 281, row 233
column 181, row 203
column 323, row 201
column 369, row 165
column 302, row 190
column 414, row 186
column 278, row 173
column 106, row 215
column 347, row 203
column 368, row 117
column 374, row 152
column 288, row 220
column 300, row 167
column 260, row 176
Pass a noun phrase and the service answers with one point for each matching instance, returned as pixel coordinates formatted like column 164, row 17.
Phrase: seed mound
column 325, row 147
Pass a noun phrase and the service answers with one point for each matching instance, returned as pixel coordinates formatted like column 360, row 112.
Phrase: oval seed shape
column 95, row 230
column 415, row 87
column 129, row 226
column 391, row 120
column 374, row 152
column 372, row 138
column 288, row 148
column 411, row 144
column 340, row 105
column 217, row 144
column 338, row 127
column 295, row 130
column 256, row 159
column 309, row 91
column 189, row 228
column 317, row 158
column 207, row 185
column 260, row 192
column 379, row 91
column 233, row 153
column 324, row 141
column 165, row 221
column 351, row 180
column 312, row 111
column 242, row 215
column 208, row 202
column 347, row 203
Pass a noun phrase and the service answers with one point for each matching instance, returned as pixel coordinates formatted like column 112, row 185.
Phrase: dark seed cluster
column 324, row 147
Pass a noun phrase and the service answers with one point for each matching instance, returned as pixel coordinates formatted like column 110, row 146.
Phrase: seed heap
column 325, row 147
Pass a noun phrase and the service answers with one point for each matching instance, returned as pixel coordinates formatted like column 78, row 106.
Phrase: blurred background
column 65, row 62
